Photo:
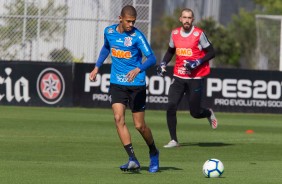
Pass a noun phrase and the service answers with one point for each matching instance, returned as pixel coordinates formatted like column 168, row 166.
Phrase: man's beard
column 186, row 27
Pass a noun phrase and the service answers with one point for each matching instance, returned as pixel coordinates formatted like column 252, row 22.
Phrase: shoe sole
column 166, row 146
column 154, row 171
column 130, row 169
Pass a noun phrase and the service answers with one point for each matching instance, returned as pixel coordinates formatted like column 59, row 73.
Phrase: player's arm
column 161, row 68
column 207, row 47
column 209, row 50
column 146, row 49
column 168, row 55
column 210, row 54
column 151, row 60
column 105, row 51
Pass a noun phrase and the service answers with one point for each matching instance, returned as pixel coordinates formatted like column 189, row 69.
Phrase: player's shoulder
column 198, row 29
column 176, row 31
column 136, row 32
column 110, row 29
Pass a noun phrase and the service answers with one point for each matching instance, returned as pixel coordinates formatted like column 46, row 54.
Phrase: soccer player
column 193, row 52
column 125, row 43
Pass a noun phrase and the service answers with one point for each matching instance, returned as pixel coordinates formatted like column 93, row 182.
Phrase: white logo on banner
column 244, row 92
column 20, row 88
column 156, row 87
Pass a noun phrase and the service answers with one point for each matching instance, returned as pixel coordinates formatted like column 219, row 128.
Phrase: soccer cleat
column 171, row 144
column 212, row 119
column 154, row 162
column 131, row 165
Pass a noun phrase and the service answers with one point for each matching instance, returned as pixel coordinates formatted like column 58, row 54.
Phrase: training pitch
column 81, row 146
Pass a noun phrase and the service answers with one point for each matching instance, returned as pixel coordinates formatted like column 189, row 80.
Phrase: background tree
column 226, row 46
column 273, row 7
column 242, row 28
column 12, row 33
column 61, row 55
column 161, row 33
column 64, row 55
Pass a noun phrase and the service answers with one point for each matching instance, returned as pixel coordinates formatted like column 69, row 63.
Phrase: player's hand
column 161, row 69
column 93, row 74
column 132, row 74
column 191, row 65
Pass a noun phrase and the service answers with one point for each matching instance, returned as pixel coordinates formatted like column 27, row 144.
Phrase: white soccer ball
column 213, row 168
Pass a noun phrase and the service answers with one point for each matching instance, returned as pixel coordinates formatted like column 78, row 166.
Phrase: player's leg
column 119, row 117
column 195, row 91
column 175, row 94
column 195, row 100
column 119, row 101
column 145, row 131
column 137, row 104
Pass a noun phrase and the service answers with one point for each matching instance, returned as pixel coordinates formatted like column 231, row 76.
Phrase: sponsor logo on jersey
column 119, row 40
column 175, row 32
column 127, row 41
column 122, row 78
column 196, row 33
column 184, row 52
column 50, row 86
column 110, row 30
column 182, row 71
column 121, row 53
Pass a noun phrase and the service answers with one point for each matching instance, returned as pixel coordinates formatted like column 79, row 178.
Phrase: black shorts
column 134, row 96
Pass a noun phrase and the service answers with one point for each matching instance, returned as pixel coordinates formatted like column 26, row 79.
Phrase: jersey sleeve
column 143, row 45
column 171, row 43
column 105, row 51
column 204, row 41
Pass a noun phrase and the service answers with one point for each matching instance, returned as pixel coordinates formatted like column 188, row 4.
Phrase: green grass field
column 81, row 146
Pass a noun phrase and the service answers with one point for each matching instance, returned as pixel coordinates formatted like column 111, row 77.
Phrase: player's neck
column 120, row 29
column 186, row 30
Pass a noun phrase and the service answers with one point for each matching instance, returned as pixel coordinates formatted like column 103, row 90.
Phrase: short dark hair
column 187, row 10
column 128, row 10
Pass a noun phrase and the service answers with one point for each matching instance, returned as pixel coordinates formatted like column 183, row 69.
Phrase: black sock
column 129, row 149
column 153, row 149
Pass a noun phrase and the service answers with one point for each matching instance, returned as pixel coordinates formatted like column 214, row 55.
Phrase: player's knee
column 195, row 114
column 140, row 127
column 118, row 118
column 171, row 107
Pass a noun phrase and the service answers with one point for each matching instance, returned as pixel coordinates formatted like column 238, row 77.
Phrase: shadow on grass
column 206, row 144
column 144, row 169
column 162, row 169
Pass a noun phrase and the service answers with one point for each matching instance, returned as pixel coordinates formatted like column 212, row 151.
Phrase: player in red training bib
column 193, row 52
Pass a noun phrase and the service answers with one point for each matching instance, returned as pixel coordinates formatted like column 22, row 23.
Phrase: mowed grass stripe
column 80, row 145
